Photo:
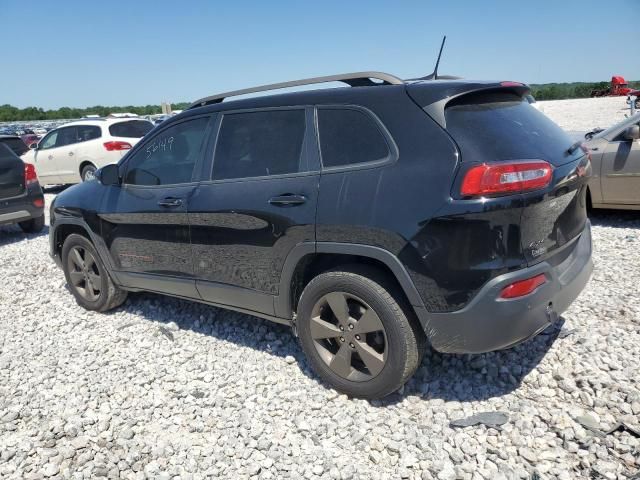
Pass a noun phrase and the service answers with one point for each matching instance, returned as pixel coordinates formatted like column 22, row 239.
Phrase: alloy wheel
column 349, row 336
column 84, row 273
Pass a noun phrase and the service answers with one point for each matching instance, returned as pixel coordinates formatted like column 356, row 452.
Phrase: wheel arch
column 308, row 260
column 85, row 163
column 63, row 230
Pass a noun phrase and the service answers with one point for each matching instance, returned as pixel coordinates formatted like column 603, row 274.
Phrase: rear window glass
column 15, row 144
column 88, row 132
column 494, row 127
column 130, row 129
column 349, row 137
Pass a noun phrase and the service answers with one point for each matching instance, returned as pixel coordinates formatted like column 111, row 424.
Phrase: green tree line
column 561, row 91
column 9, row 113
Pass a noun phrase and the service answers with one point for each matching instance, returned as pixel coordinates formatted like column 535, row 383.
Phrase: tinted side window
column 88, row 132
column 49, row 141
column 256, row 144
column 169, row 157
column 349, row 137
column 131, row 129
column 66, row 136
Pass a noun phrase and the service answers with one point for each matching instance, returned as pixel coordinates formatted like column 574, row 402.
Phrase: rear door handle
column 170, row 202
column 71, row 154
column 287, row 200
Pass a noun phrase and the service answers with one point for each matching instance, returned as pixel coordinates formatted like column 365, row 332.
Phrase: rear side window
column 130, row 129
column 88, row 132
column 257, row 144
column 349, row 137
column 15, row 144
column 66, row 136
column 169, row 157
column 492, row 127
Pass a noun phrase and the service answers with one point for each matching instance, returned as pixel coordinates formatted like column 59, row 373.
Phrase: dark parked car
column 21, row 198
column 374, row 220
column 15, row 143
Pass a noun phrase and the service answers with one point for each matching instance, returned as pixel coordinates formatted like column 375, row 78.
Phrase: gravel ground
column 585, row 114
column 162, row 388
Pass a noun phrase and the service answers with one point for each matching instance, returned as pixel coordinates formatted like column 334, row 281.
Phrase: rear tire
column 88, row 173
column 35, row 225
column 87, row 276
column 372, row 346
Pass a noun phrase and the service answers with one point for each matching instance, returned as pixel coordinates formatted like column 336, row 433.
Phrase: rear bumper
column 21, row 208
column 488, row 323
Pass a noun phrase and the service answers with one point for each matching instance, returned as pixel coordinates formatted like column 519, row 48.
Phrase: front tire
column 88, row 173
column 87, row 276
column 358, row 332
column 35, row 225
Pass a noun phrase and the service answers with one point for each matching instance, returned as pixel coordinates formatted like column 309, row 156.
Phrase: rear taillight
column 115, row 146
column 38, row 203
column 523, row 287
column 30, row 176
column 502, row 178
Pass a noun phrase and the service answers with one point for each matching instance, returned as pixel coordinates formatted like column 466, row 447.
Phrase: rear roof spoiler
column 434, row 98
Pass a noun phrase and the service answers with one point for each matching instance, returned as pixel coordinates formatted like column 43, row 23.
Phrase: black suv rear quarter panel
column 391, row 206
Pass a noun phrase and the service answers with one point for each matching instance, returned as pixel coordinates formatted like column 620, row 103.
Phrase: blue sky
column 84, row 53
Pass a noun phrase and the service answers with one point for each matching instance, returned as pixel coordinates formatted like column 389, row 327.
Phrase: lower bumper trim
column 490, row 323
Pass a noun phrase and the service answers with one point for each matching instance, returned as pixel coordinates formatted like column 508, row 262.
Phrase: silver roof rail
column 357, row 79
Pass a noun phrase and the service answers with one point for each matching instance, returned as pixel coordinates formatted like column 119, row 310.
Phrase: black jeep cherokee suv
column 372, row 219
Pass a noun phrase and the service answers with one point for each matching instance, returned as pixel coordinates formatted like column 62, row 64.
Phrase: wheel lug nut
column 341, row 328
column 342, row 339
column 357, row 337
column 351, row 326
column 352, row 345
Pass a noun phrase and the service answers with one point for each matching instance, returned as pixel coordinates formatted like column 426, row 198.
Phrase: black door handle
column 287, row 200
column 170, row 202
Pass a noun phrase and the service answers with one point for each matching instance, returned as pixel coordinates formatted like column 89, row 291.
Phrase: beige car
column 615, row 155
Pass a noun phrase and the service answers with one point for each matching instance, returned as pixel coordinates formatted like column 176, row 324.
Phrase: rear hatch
column 498, row 125
column 11, row 173
column 127, row 133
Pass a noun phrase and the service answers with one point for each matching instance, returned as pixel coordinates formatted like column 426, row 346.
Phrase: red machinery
column 618, row 88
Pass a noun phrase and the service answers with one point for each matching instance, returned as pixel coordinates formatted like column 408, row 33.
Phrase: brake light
column 38, row 203
column 116, row 146
column 523, row 287
column 30, row 176
column 511, row 84
column 506, row 177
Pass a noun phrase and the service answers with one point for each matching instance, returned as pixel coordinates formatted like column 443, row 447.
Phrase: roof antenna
column 435, row 70
column 434, row 75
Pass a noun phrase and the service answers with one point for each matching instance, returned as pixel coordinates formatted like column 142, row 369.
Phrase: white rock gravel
column 585, row 114
column 86, row 395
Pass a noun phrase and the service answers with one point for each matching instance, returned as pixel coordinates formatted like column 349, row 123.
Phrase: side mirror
column 108, row 175
column 33, row 146
column 632, row 133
